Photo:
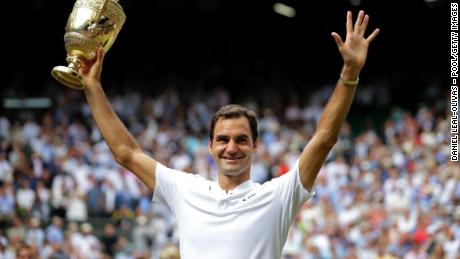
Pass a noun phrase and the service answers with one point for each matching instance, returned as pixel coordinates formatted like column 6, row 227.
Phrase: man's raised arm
column 354, row 54
column 122, row 144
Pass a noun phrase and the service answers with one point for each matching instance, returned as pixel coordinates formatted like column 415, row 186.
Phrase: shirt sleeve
column 166, row 186
column 291, row 193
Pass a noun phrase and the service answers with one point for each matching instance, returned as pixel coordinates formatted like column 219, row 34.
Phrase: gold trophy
column 91, row 24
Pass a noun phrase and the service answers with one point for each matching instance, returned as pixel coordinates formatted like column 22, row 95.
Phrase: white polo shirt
column 249, row 222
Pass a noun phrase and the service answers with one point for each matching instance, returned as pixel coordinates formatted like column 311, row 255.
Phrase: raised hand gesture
column 354, row 49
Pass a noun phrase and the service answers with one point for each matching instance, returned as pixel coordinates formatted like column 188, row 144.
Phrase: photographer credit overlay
column 454, row 84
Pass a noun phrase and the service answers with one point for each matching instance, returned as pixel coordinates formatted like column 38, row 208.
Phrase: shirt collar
column 243, row 187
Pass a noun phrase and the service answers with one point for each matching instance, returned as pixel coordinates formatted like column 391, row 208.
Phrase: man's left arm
column 354, row 54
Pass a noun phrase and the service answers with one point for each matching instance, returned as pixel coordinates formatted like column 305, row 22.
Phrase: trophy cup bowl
column 91, row 24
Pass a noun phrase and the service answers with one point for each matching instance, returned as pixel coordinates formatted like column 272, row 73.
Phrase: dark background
column 236, row 44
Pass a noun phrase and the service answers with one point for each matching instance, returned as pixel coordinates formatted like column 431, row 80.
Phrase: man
column 25, row 251
column 235, row 218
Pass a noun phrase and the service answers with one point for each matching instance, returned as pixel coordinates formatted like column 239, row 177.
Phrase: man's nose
column 232, row 147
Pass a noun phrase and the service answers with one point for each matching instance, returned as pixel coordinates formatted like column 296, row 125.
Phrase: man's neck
column 230, row 182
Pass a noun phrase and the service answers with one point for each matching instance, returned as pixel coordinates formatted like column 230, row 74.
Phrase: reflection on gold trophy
column 91, row 24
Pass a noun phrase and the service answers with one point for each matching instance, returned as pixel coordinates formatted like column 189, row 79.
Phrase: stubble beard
column 233, row 170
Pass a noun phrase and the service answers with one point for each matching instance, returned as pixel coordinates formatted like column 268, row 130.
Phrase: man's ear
column 256, row 144
column 210, row 146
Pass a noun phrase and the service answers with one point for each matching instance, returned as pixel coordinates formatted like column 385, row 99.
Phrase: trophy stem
column 74, row 62
column 69, row 75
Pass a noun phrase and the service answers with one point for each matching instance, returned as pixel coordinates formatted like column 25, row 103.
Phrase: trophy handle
column 69, row 75
column 101, row 10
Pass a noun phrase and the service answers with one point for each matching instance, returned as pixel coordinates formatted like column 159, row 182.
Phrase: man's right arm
column 122, row 144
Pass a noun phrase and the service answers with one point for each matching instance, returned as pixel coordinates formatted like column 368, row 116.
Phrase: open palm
column 354, row 49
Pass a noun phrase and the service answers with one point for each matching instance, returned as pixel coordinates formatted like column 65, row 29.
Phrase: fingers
column 361, row 25
column 362, row 28
column 83, row 67
column 359, row 21
column 337, row 39
column 87, row 65
column 100, row 55
column 349, row 22
column 373, row 35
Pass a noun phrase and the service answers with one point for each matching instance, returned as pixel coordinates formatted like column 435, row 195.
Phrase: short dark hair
column 235, row 111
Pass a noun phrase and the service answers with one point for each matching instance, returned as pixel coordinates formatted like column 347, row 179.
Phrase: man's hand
column 90, row 70
column 354, row 49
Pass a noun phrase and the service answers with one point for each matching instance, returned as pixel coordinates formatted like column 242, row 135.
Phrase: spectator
column 55, row 231
column 109, row 239
column 88, row 246
column 26, row 252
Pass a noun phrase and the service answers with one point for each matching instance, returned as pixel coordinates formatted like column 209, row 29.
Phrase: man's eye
column 242, row 141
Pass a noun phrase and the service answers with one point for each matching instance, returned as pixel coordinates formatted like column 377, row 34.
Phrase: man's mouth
column 231, row 159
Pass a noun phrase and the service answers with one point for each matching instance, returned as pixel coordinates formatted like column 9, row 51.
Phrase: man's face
column 232, row 147
column 25, row 253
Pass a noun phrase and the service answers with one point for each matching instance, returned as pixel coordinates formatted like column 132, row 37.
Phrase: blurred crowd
column 388, row 192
